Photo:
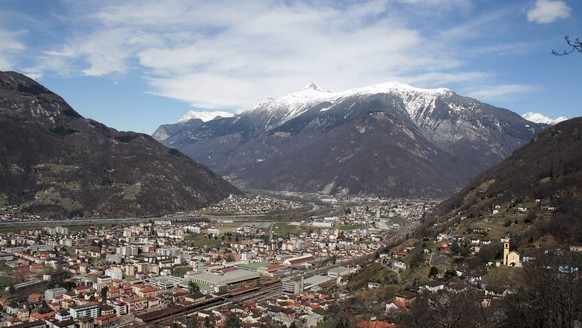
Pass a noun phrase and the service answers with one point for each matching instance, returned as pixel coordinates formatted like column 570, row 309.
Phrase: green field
column 201, row 241
column 181, row 271
column 282, row 228
column 7, row 281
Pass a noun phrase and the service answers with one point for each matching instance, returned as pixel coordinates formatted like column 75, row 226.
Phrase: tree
column 444, row 309
column 232, row 321
column 192, row 322
column 415, row 258
column 193, row 287
column 434, row 271
column 104, row 291
column 44, row 308
column 550, row 294
column 207, row 322
column 575, row 45
column 68, row 285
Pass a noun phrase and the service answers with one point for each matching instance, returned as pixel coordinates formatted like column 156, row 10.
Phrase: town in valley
column 269, row 260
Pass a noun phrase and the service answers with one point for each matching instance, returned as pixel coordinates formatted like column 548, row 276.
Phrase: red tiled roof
column 375, row 324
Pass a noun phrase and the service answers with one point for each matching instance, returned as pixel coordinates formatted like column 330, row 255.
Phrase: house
column 81, row 290
column 86, row 322
column 406, row 297
column 23, row 314
column 90, row 309
column 399, row 265
column 147, row 292
column 17, row 324
column 52, row 323
column 195, row 297
column 374, row 324
column 38, row 316
column 136, row 304
column 120, row 307
column 105, row 319
column 433, row 286
column 394, row 308
column 106, row 309
column 62, row 315
column 372, row 285
column 495, row 291
column 35, row 298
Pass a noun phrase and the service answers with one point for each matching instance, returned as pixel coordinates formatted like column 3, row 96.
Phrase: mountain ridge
column 56, row 163
column 463, row 135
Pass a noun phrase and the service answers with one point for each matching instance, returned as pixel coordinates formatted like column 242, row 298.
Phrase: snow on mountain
column 541, row 118
column 204, row 116
column 294, row 104
column 361, row 140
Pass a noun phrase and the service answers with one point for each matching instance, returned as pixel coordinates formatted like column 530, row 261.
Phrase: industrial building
column 229, row 278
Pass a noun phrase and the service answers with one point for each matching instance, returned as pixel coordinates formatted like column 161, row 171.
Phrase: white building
column 115, row 273
column 49, row 294
column 85, row 310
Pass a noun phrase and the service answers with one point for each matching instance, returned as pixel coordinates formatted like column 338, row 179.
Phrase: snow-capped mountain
column 388, row 139
column 204, row 116
column 541, row 118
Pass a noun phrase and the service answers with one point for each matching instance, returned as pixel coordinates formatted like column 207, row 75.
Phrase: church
column 510, row 258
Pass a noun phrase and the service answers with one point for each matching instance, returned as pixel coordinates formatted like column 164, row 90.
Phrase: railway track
column 168, row 315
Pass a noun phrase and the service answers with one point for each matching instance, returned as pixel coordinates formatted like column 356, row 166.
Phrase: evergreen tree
column 232, row 321
column 193, row 287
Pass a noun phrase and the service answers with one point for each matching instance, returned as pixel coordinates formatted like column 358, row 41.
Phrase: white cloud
column 505, row 91
column 9, row 48
column 231, row 54
column 548, row 11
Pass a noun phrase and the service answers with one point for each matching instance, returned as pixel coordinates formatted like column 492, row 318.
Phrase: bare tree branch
column 576, row 46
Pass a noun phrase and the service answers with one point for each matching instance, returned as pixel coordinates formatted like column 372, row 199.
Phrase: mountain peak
column 203, row 116
column 403, row 87
column 315, row 87
column 541, row 118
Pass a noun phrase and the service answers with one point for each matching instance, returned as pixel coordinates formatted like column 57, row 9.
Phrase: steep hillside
column 535, row 194
column 55, row 162
column 386, row 140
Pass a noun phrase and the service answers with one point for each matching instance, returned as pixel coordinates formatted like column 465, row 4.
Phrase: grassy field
column 373, row 273
column 283, row 228
column 181, row 271
column 201, row 241
column 7, row 280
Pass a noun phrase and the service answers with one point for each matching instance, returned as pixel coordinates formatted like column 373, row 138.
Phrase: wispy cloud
column 9, row 48
column 500, row 91
column 548, row 11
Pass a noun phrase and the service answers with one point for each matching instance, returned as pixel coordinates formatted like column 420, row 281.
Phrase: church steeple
column 505, row 251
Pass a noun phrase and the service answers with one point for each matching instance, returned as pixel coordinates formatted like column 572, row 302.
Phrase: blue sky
column 137, row 64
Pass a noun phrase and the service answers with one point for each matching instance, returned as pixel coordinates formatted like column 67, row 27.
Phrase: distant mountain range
column 535, row 195
column 386, row 140
column 54, row 162
column 541, row 118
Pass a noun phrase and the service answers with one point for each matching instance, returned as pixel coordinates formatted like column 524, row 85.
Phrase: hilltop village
column 265, row 272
